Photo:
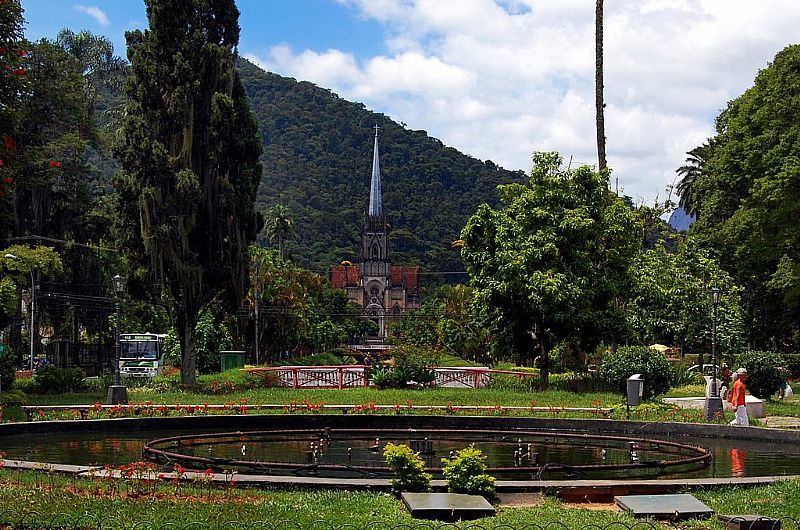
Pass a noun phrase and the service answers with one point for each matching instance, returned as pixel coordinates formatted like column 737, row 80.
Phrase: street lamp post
column 713, row 401
column 33, row 307
column 117, row 393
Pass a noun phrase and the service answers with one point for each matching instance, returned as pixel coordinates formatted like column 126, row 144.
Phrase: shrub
column 319, row 359
column 407, row 467
column 53, row 380
column 466, row 473
column 7, row 369
column 415, row 358
column 99, row 383
column 618, row 366
column 13, row 398
column 681, row 376
column 764, row 374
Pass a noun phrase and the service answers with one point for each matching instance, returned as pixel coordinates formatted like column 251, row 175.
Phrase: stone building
column 382, row 289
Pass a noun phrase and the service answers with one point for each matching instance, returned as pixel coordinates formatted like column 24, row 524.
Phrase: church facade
column 382, row 289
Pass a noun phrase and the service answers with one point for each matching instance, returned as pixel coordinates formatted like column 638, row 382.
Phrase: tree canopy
column 551, row 263
column 749, row 202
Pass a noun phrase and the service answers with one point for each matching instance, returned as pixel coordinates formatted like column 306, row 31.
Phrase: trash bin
column 231, row 359
column 635, row 389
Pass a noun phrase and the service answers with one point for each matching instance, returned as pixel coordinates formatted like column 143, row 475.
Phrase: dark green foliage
column 668, row 300
column 322, row 359
column 54, row 380
column 13, row 398
column 618, row 366
column 211, row 338
column 8, row 368
column 764, row 372
column 189, row 150
column 748, row 200
column 407, row 467
column 300, row 313
column 466, row 473
column 552, row 262
column 444, row 323
column 413, row 364
column 317, row 159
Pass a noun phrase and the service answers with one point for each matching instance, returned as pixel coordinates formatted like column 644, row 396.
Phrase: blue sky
column 314, row 24
column 499, row 79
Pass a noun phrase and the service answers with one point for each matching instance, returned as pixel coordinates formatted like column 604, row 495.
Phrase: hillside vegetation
column 317, row 160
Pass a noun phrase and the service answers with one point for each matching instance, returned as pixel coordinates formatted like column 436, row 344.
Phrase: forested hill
column 318, row 159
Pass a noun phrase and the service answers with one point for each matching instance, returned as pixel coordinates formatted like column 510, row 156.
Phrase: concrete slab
column 749, row 522
column 446, row 506
column 756, row 408
column 672, row 507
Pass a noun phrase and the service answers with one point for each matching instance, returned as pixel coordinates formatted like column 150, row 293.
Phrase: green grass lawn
column 428, row 396
column 43, row 497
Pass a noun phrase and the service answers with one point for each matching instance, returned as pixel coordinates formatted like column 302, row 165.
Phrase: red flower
column 8, row 180
column 208, row 472
column 1, row 162
column 19, row 71
column 55, row 163
column 9, row 143
column 22, row 53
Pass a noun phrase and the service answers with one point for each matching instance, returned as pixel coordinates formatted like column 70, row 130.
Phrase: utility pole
column 257, row 297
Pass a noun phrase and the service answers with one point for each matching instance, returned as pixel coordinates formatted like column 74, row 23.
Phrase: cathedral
column 382, row 289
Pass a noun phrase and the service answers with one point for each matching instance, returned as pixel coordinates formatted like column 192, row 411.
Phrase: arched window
column 375, row 251
column 396, row 310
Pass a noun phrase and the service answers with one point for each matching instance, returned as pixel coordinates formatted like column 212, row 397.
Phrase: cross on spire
column 376, row 129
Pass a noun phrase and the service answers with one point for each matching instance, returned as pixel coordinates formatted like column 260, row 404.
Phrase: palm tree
column 598, row 86
column 279, row 226
column 690, row 174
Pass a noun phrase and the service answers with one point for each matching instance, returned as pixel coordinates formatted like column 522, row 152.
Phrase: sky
column 500, row 79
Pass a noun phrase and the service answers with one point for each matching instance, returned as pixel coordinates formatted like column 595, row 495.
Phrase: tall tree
column 12, row 87
column 598, row 86
column 51, row 194
column 750, row 201
column 690, row 173
column 95, row 53
column 189, row 150
column 552, row 263
column 279, row 226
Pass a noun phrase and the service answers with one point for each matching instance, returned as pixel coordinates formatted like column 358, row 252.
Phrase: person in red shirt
column 737, row 399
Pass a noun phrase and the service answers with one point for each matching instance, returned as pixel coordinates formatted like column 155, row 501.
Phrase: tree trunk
column 188, row 351
column 598, row 87
column 544, row 362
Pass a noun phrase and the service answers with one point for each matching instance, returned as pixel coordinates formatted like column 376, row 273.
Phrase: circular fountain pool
column 511, row 454
column 346, row 446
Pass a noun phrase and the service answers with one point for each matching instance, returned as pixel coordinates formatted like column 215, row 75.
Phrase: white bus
column 141, row 354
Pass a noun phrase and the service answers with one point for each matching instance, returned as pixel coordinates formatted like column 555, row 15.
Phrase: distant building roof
column 343, row 276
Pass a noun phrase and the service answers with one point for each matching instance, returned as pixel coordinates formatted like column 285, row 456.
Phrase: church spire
column 375, row 206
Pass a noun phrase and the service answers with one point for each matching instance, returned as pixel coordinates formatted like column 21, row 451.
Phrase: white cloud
column 500, row 79
column 94, row 12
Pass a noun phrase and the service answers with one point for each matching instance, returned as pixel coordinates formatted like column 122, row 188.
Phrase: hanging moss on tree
column 189, row 151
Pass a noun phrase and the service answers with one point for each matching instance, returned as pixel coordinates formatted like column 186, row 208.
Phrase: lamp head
column 716, row 294
column 118, row 282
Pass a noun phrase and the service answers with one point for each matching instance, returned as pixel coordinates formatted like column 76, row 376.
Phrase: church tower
column 383, row 290
column 375, row 265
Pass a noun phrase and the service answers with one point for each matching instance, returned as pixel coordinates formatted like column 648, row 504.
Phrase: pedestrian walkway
column 781, row 422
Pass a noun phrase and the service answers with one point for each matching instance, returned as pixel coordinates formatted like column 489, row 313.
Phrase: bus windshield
column 136, row 349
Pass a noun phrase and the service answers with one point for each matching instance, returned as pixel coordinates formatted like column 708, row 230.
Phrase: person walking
column 737, row 399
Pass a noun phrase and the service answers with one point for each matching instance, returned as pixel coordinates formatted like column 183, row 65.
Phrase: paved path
column 781, row 422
